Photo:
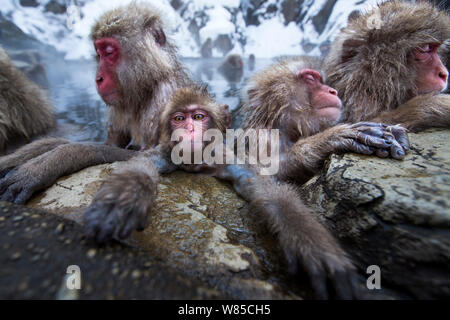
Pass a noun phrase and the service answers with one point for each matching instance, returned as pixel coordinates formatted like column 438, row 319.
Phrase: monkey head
column 195, row 111
column 291, row 96
column 431, row 74
column 132, row 51
column 387, row 56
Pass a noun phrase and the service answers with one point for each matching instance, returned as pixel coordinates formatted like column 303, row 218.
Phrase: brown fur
column 148, row 74
column 268, row 97
column 25, row 111
column 276, row 99
column 369, row 67
column 307, row 245
column 184, row 97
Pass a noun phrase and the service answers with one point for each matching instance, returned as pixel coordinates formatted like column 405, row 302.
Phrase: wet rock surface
column 394, row 214
column 199, row 225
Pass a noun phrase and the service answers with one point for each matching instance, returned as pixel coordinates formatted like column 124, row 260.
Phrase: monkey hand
column 20, row 183
column 331, row 273
column 372, row 138
column 120, row 206
column 306, row 243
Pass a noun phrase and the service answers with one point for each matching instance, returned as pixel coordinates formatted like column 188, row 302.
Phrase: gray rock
column 394, row 214
column 198, row 225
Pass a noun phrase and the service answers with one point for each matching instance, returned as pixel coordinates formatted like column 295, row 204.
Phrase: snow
column 270, row 39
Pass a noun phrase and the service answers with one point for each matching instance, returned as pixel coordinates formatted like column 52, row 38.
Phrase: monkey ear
column 160, row 37
column 350, row 49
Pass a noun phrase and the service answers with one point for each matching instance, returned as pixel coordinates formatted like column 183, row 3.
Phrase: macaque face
column 109, row 56
column 432, row 76
column 193, row 120
column 323, row 98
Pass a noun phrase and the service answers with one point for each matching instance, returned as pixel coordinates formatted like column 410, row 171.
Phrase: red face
column 109, row 56
column 432, row 76
column 324, row 99
column 194, row 120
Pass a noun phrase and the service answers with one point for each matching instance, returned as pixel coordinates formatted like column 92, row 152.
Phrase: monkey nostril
column 99, row 80
column 443, row 75
column 333, row 92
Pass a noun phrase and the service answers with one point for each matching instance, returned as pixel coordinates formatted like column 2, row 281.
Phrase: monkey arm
column 307, row 156
column 307, row 245
column 126, row 198
column 28, row 152
column 420, row 113
column 42, row 171
column 123, row 202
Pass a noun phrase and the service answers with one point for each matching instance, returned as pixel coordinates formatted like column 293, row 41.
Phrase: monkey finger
column 342, row 285
column 142, row 224
column 397, row 151
column 372, row 141
column 318, row 278
column 24, row 195
column 400, row 134
column 382, row 153
column 105, row 232
column 6, row 172
column 110, row 224
column 354, row 146
column 10, row 193
column 92, row 221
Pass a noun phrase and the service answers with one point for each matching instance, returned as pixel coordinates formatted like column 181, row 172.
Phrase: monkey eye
column 178, row 118
column 425, row 49
column 309, row 78
column 198, row 116
column 109, row 50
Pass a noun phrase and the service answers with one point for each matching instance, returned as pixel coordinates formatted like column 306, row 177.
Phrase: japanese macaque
column 290, row 96
column 386, row 68
column 126, row 198
column 25, row 111
column 138, row 70
column 232, row 68
column 251, row 62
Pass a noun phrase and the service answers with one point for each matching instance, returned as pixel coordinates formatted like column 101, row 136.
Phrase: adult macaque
column 126, row 198
column 290, row 96
column 386, row 68
column 232, row 68
column 138, row 70
column 25, row 111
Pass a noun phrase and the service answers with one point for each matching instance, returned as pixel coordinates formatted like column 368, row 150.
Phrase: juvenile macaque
column 25, row 111
column 290, row 96
column 386, row 68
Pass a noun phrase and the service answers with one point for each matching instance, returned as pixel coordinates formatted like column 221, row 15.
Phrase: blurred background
column 49, row 41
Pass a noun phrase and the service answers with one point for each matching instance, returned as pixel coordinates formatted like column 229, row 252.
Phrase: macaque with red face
column 432, row 75
column 290, row 96
column 137, row 72
column 194, row 122
column 386, row 66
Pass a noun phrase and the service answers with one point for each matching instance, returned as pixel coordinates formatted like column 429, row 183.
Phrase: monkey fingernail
column 400, row 153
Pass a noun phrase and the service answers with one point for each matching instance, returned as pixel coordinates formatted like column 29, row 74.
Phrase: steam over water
column 82, row 115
